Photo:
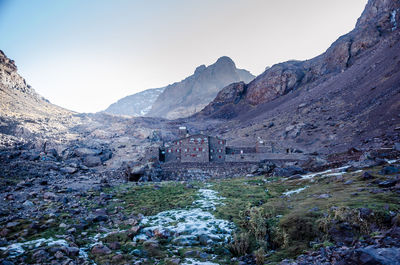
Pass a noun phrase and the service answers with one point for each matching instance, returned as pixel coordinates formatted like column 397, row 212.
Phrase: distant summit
column 192, row 94
column 183, row 98
column 138, row 104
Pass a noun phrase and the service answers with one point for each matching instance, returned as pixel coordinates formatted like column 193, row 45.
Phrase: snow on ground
column 288, row 193
column 327, row 173
column 188, row 225
column 195, row 262
column 18, row 249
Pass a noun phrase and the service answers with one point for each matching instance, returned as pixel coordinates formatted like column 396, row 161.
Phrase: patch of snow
column 184, row 223
column 209, row 199
column 17, row 249
column 288, row 193
column 329, row 172
column 186, row 226
column 190, row 261
column 393, row 19
column 391, row 161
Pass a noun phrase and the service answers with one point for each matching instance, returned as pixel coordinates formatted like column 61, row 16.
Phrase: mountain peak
column 225, row 60
column 200, row 69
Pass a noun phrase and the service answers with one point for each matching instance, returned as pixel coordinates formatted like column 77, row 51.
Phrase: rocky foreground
column 349, row 214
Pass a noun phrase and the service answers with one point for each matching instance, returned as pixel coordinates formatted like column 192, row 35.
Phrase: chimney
column 183, row 132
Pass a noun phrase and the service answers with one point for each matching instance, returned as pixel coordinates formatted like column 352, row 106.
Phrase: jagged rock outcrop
column 10, row 79
column 378, row 20
column 184, row 98
column 136, row 105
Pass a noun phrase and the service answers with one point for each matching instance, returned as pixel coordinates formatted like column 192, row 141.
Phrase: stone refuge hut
column 201, row 148
column 194, row 148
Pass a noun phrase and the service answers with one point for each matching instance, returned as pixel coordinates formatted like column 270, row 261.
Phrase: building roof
column 196, row 135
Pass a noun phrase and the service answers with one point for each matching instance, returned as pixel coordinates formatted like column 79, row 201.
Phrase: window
column 194, row 149
column 212, row 150
column 169, row 150
column 219, row 156
column 200, row 149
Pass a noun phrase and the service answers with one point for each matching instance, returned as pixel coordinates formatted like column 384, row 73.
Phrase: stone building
column 194, row 148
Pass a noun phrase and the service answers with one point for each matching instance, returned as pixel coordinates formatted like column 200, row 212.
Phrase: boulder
column 92, row 161
column 388, row 170
column 396, row 147
column 375, row 256
column 82, row 152
column 288, row 171
column 114, row 245
column 366, row 176
column 100, row 250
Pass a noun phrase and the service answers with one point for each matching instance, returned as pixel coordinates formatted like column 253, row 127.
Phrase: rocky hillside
column 184, row 98
column 138, row 104
column 23, row 113
column 348, row 96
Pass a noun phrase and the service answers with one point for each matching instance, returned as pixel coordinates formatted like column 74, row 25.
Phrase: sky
column 84, row 55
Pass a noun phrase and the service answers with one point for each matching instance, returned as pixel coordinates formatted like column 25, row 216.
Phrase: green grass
column 290, row 223
column 150, row 199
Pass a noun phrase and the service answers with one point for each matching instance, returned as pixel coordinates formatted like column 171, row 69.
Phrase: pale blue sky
column 85, row 54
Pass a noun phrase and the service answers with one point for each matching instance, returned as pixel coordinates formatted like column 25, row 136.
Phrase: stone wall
column 202, row 171
column 256, row 157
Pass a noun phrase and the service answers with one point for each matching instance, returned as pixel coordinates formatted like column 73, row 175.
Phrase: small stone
column 72, row 230
column 49, row 196
column 324, row 196
column 4, row 232
column 349, row 182
column 117, row 259
column 62, row 225
column 59, row 255
column 387, row 183
column 73, row 251
column 396, row 147
column 12, row 224
column 68, row 170
column 28, row 204
column 114, row 245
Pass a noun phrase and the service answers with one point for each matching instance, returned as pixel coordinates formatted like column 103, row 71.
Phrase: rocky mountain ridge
column 318, row 101
column 378, row 20
column 184, row 98
column 137, row 105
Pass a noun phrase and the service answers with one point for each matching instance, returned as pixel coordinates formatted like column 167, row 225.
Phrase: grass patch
column 290, row 225
column 150, row 199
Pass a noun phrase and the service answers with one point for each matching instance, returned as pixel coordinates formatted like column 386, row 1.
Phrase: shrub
column 240, row 244
column 259, row 255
